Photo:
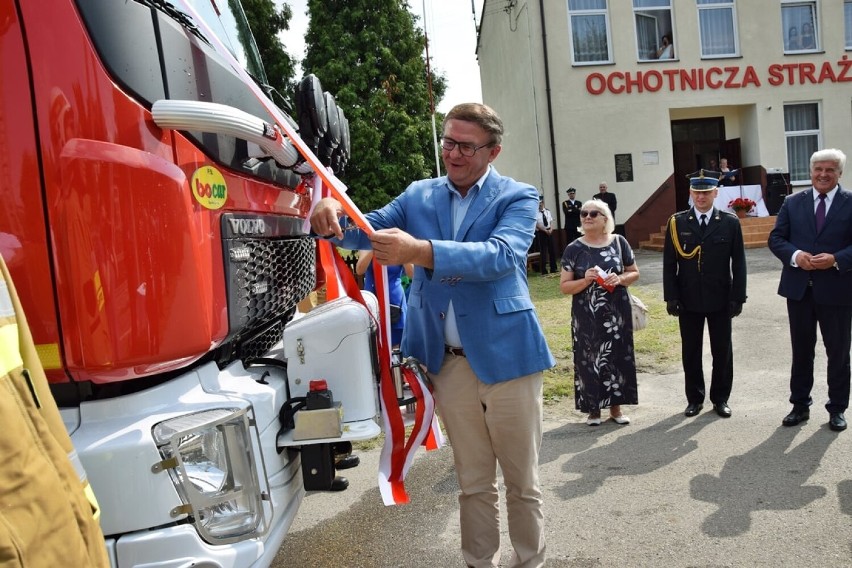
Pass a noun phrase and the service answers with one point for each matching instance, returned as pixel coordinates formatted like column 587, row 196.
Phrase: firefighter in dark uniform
column 704, row 279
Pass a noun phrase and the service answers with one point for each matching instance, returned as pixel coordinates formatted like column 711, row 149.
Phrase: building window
column 654, row 37
column 847, row 17
column 589, row 23
column 799, row 25
column 801, row 128
column 716, row 25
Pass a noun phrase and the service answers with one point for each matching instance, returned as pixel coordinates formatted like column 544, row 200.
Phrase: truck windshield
column 228, row 21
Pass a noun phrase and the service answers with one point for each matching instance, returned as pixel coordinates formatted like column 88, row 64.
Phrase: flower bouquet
column 741, row 205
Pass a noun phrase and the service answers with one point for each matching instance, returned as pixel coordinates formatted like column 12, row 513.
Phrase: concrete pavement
column 664, row 491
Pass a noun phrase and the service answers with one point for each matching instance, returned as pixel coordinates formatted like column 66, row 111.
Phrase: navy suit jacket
column 482, row 269
column 795, row 229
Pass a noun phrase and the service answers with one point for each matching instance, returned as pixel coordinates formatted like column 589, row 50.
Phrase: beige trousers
column 487, row 425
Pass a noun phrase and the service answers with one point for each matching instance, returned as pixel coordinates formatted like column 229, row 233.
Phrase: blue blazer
column 795, row 229
column 483, row 270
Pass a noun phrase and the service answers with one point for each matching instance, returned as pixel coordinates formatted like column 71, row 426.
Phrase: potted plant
column 741, row 206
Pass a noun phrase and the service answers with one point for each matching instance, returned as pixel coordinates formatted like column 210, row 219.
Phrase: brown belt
column 457, row 351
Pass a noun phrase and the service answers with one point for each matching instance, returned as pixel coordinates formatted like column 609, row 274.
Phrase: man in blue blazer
column 813, row 238
column 472, row 323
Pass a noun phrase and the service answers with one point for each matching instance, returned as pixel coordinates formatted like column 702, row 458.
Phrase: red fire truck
column 158, row 243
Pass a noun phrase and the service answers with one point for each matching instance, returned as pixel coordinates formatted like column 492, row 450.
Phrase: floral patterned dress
column 601, row 329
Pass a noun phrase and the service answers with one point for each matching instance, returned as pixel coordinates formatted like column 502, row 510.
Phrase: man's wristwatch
column 835, row 265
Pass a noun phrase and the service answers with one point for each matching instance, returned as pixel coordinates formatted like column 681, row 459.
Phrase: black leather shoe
column 347, row 462
column 693, row 408
column 722, row 409
column 796, row 416
column 837, row 421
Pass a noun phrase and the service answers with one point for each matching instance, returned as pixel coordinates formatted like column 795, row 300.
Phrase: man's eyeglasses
column 465, row 149
column 592, row 214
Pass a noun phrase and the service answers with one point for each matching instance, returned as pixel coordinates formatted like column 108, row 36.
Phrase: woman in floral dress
column 601, row 321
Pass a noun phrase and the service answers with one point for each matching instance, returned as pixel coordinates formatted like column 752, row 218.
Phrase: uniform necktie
column 703, row 221
column 820, row 213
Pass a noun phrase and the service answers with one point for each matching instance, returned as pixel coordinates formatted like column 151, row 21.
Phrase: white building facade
column 639, row 93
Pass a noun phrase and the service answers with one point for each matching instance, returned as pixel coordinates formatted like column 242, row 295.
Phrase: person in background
column 666, row 50
column 813, row 239
column 729, row 176
column 607, row 197
column 793, row 43
column 807, row 38
column 396, row 294
column 704, row 279
column 467, row 234
column 597, row 268
column 571, row 211
column 544, row 238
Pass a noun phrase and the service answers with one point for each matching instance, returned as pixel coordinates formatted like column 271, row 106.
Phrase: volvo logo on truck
column 247, row 226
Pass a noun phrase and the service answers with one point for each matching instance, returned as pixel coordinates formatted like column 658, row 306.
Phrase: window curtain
column 801, row 123
column 590, row 43
column 647, row 36
column 589, row 30
column 799, row 27
column 575, row 5
column 717, row 31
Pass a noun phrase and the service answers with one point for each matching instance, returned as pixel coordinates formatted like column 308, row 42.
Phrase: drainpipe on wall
column 550, row 115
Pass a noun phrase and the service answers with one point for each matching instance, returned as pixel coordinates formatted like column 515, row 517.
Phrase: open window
column 654, row 37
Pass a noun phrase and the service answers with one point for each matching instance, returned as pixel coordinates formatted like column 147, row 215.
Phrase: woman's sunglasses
column 592, row 214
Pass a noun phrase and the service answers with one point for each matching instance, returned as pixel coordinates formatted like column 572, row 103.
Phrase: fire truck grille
column 266, row 278
column 260, row 344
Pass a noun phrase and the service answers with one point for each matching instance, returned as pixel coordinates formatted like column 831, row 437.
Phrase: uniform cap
column 704, row 180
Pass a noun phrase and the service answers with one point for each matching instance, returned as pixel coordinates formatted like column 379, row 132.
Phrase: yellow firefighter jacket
column 48, row 513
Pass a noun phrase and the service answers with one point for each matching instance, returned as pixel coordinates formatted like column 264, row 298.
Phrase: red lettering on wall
column 633, row 82
column 688, row 79
column 695, row 78
column 611, row 85
column 827, row 73
column 806, row 72
column 652, row 81
column 712, row 80
column 730, row 82
column 596, row 83
column 750, row 77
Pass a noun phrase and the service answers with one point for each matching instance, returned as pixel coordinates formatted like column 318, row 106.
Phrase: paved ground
column 664, row 491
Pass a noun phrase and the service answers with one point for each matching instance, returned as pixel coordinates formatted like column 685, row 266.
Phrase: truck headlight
column 210, row 458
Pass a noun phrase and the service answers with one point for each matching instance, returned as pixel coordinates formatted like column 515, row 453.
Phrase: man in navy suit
column 472, row 323
column 813, row 239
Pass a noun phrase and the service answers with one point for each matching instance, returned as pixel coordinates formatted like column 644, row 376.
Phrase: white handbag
column 638, row 308
column 640, row 313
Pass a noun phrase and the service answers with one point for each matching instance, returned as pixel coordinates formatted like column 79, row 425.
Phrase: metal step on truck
column 154, row 223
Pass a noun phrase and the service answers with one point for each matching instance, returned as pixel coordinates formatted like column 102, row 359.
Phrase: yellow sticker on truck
column 209, row 188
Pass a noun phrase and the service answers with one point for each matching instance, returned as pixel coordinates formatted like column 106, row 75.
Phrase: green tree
column 266, row 22
column 369, row 55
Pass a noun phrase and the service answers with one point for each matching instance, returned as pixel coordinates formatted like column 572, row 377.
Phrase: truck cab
column 158, row 268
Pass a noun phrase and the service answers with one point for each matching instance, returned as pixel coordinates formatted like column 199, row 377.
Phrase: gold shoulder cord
column 678, row 248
